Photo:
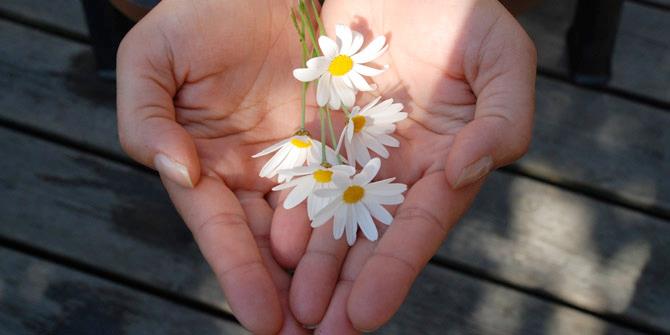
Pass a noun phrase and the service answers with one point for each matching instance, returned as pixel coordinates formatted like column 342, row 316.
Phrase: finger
column 259, row 214
column 505, row 88
column 336, row 320
column 289, row 233
column 146, row 115
column 316, row 275
column 220, row 227
column 418, row 229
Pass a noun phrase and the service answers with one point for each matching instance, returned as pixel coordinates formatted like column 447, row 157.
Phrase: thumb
column 148, row 130
column 504, row 86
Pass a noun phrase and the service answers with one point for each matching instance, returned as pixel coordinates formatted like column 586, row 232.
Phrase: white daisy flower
column 356, row 201
column 369, row 128
column 340, row 70
column 311, row 178
column 291, row 152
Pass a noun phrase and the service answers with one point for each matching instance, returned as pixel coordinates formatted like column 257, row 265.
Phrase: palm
column 222, row 71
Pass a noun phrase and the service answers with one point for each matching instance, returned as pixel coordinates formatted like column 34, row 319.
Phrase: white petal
column 300, row 170
column 335, row 101
column 328, row 193
column 269, row 169
column 368, row 71
column 321, row 63
column 341, row 181
column 380, row 183
column 347, row 94
column 375, row 49
column 350, row 131
column 351, row 153
column 379, row 129
column 299, row 193
column 340, row 221
column 287, row 184
column 388, row 140
column 308, row 74
column 385, row 200
column 343, row 33
column 323, row 90
column 364, row 110
column 344, row 169
column 326, row 213
column 271, row 148
column 362, row 154
column 316, row 204
column 328, row 47
column 368, row 173
column 386, row 190
column 374, row 145
column 365, row 222
column 355, row 44
column 379, row 212
column 397, row 117
column 359, row 82
column 351, row 226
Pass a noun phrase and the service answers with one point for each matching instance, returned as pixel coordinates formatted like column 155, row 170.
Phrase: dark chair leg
column 591, row 40
column 107, row 26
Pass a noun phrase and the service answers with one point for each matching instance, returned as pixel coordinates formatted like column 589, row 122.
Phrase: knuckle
column 418, row 215
column 219, row 221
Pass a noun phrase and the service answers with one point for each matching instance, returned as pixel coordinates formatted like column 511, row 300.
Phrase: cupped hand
column 465, row 71
column 202, row 86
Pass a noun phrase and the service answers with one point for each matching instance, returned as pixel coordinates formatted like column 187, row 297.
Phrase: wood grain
column 66, row 15
column 37, row 297
column 110, row 216
column 641, row 61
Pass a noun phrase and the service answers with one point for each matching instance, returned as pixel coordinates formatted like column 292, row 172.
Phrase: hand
column 202, row 86
column 465, row 71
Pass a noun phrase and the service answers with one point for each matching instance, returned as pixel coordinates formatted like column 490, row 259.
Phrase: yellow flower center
column 323, row 176
column 359, row 122
column 298, row 143
column 353, row 194
column 340, row 65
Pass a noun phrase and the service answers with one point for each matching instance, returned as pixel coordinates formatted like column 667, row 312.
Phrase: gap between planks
column 437, row 260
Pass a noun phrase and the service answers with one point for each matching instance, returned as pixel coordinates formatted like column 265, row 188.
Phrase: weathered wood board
column 581, row 137
column 519, row 230
column 37, row 297
column 104, row 215
column 66, row 15
column 641, row 61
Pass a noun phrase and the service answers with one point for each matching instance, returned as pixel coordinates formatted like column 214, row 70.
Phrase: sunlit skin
column 208, row 83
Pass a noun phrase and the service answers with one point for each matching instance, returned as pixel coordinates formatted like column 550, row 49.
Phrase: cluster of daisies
column 313, row 170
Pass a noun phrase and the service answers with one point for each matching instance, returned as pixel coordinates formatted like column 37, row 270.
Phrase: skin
column 208, row 89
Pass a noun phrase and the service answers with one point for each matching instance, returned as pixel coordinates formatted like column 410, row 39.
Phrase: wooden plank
column 74, row 120
column 37, row 297
column 104, row 214
column 641, row 60
column 581, row 137
column 67, row 15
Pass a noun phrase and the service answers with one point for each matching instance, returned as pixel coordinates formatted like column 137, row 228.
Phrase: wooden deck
column 573, row 239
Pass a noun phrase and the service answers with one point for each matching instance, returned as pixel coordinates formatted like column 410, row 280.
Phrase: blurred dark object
column 591, row 40
column 108, row 22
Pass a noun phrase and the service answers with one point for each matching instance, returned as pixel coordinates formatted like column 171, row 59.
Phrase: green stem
column 307, row 25
column 333, row 138
column 322, row 117
column 303, row 92
column 346, row 111
column 322, row 30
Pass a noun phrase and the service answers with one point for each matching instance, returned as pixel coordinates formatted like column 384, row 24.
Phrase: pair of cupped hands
column 203, row 85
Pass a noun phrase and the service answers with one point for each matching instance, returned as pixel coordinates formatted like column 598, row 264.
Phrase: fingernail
column 172, row 170
column 474, row 171
column 310, row 327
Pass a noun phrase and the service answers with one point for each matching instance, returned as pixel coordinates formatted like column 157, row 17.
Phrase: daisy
column 291, row 152
column 369, row 128
column 311, row 178
column 340, row 70
column 356, row 201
